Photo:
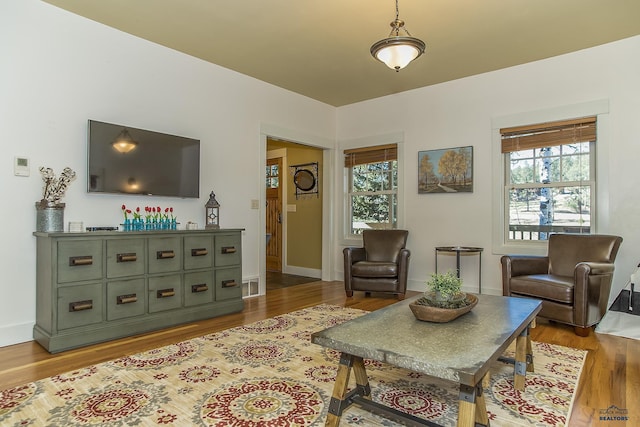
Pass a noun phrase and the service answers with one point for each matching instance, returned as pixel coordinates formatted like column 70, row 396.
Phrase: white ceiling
column 320, row 48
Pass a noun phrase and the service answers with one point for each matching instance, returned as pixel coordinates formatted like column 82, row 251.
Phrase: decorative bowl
column 441, row 315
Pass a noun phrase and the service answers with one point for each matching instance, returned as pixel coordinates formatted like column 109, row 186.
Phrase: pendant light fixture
column 124, row 142
column 398, row 51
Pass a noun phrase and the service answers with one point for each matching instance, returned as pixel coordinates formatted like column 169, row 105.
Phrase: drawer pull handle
column 81, row 305
column 229, row 283
column 128, row 257
column 165, row 293
column 165, row 254
column 202, row 287
column 127, row 299
column 199, row 252
column 228, row 249
column 75, row 261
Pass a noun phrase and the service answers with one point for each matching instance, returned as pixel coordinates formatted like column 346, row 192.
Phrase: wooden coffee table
column 461, row 351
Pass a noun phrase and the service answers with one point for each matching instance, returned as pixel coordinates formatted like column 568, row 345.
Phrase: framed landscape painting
column 448, row 170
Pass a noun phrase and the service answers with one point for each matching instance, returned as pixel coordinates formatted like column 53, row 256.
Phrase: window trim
column 598, row 108
column 347, row 239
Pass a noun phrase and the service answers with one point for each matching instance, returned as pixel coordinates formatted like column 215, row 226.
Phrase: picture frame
column 446, row 170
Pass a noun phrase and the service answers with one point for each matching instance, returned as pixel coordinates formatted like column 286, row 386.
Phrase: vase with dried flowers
column 50, row 209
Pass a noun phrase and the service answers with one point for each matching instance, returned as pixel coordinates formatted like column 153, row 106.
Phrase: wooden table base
column 472, row 407
column 340, row 399
column 523, row 361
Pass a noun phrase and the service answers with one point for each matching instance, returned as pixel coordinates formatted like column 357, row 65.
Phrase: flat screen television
column 147, row 163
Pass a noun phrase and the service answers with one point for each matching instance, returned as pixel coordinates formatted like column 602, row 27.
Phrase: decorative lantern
column 212, row 217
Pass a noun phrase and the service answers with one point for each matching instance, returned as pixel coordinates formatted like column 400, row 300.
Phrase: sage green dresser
column 98, row 286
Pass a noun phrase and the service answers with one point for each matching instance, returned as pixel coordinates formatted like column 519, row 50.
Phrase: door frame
column 328, row 175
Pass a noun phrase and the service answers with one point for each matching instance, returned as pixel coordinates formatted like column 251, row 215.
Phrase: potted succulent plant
column 445, row 287
column 444, row 300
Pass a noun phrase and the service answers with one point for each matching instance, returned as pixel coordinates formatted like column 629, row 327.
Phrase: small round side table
column 463, row 249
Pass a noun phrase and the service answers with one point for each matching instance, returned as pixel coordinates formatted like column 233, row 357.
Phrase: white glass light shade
column 397, row 52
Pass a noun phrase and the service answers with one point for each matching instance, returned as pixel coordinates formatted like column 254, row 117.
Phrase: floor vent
column 250, row 288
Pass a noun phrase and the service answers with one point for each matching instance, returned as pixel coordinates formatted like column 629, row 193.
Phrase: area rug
column 269, row 374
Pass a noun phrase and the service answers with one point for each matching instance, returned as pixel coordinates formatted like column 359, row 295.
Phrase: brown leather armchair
column 573, row 280
column 381, row 265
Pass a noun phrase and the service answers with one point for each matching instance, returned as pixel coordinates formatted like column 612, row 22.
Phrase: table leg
column 524, row 359
column 362, row 381
column 340, row 399
column 472, row 408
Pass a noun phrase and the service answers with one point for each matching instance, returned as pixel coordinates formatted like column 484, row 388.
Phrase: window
column 549, row 179
column 372, row 193
column 273, row 175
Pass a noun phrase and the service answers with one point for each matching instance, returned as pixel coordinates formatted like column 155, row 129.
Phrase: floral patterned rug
column 269, row 374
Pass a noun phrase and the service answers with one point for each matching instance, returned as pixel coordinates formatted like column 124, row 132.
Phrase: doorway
column 293, row 221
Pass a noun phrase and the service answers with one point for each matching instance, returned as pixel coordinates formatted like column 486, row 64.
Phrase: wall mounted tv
column 146, row 163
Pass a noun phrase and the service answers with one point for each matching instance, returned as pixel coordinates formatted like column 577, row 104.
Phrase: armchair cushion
column 374, row 269
column 545, row 286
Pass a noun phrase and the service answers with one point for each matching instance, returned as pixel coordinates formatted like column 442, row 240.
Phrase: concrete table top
column 461, row 350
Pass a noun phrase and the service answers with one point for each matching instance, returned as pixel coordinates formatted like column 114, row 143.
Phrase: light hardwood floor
column 611, row 375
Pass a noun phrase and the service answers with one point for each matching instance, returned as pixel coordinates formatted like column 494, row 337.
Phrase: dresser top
column 119, row 233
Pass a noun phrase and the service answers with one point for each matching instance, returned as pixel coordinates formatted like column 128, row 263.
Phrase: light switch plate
column 21, row 166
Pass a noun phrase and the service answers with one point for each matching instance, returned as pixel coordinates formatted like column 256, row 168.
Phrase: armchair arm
column 351, row 256
column 354, row 255
column 521, row 265
column 591, row 291
column 598, row 267
column 403, row 270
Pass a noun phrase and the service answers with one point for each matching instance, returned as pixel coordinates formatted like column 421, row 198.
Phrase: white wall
column 57, row 70
column 460, row 113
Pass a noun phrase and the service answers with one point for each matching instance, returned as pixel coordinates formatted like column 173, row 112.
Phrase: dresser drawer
column 227, row 249
column 79, row 260
column 125, row 299
column 79, row 305
column 125, row 257
column 164, row 254
column 228, row 284
column 165, row 292
column 198, row 252
column 198, row 288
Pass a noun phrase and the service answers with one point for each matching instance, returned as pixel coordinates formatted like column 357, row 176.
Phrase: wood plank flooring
column 611, row 375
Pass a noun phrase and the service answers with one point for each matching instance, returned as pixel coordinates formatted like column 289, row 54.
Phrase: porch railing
column 532, row 232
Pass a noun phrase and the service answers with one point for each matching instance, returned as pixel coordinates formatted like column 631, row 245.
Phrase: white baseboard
column 419, row 286
column 302, row 271
column 16, row 334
